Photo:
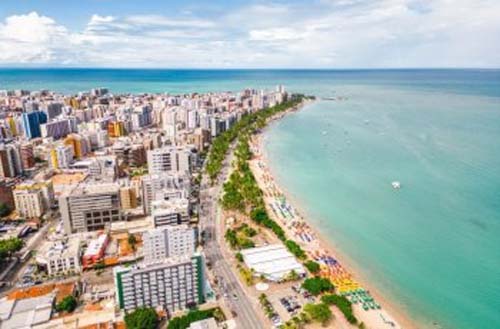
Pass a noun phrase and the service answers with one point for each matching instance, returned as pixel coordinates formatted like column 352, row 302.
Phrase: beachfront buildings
column 90, row 207
column 172, row 284
column 168, row 241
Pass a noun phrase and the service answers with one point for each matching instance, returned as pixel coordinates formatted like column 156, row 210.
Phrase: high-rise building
column 53, row 110
column 163, row 187
column 29, row 202
column 57, row 128
column 90, row 207
column 32, row 122
column 168, row 241
column 27, row 157
column 6, row 195
column 80, row 144
column 10, row 160
column 128, row 198
column 172, row 284
column 170, row 159
column 34, row 198
column 61, row 157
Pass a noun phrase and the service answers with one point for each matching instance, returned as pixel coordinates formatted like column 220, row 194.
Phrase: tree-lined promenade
column 242, row 194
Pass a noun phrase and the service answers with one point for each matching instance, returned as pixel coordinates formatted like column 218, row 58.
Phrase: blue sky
column 250, row 34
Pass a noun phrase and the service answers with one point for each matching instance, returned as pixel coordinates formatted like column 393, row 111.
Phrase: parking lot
column 286, row 302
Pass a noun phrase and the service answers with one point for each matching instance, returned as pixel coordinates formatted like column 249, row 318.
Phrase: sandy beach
column 370, row 307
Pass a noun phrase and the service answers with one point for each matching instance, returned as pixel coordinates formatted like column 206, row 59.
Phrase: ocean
column 432, row 246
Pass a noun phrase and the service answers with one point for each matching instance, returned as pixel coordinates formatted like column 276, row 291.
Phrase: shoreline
column 319, row 245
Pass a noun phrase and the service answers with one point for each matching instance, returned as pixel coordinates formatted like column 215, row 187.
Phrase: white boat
column 396, row 185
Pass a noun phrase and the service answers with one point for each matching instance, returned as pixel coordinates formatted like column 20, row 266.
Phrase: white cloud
column 30, row 38
column 331, row 33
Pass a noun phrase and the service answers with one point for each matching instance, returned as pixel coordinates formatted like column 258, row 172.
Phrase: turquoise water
column 434, row 245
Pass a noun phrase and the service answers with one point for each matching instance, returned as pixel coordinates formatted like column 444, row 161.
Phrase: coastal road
column 228, row 285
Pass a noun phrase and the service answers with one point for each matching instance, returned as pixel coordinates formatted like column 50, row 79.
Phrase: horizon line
column 242, row 68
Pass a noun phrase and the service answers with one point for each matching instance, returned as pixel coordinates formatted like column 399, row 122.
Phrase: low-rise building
column 25, row 313
column 29, row 203
column 95, row 251
column 173, row 212
column 274, row 262
column 60, row 257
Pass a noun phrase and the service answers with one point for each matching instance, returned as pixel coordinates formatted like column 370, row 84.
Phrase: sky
column 250, row 34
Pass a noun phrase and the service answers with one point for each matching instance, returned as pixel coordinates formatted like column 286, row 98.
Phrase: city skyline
column 320, row 34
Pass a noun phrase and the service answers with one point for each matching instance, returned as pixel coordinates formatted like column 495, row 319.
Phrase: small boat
column 396, row 185
column 323, row 132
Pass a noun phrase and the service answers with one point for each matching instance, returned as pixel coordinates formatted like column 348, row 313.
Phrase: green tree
column 292, row 276
column 295, row 249
column 239, row 257
column 142, row 318
column 183, row 322
column 4, row 210
column 10, row 246
column 316, row 286
column 231, row 238
column 319, row 312
column 312, row 266
column 132, row 241
column 232, row 198
column 343, row 304
column 67, row 304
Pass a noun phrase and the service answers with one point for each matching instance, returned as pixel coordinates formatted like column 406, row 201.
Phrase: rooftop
column 274, row 261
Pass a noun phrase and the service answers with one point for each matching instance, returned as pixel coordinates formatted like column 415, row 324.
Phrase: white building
column 62, row 156
column 29, row 202
column 274, row 262
column 173, row 284
column 170, row 159
column 60, row 257
column 168, row 241
column 163, row 187
column 171, row 212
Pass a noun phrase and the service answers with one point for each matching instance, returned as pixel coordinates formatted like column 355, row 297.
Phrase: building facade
column 172, row 284
column 90, row 207
column 168, row 241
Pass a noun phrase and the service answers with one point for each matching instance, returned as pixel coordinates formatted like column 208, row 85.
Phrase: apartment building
column 29, row 202
column 170, row 159
column 168, row 241
column 163, row 187
column 172, row 212
column 172, row 284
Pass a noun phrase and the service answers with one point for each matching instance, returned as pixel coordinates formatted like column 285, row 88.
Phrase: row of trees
column 256, row 120
column 241, row 191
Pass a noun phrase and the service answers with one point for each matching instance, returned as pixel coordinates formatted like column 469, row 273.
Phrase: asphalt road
column 228, row 286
